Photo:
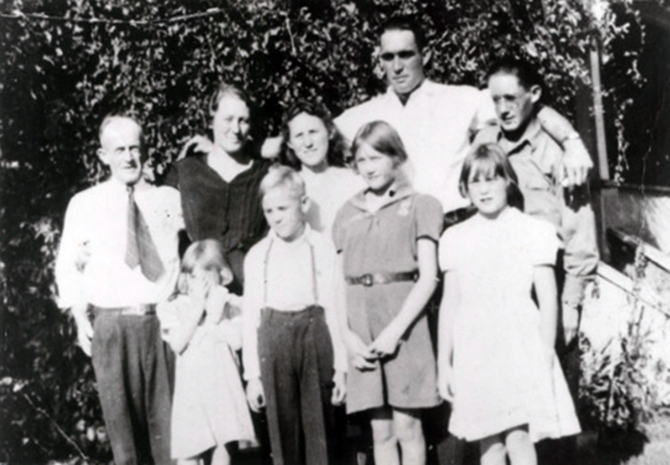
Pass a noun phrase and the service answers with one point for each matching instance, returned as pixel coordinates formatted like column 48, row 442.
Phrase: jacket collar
column 530, row 137
column 399, row 190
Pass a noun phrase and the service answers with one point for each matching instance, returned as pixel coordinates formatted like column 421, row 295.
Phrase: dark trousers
column 296, row 356
column 131, row 365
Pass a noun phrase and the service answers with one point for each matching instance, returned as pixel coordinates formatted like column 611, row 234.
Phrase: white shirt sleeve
column 251, row 311
column 329, row 301
column 486, row 111
column 69, row 264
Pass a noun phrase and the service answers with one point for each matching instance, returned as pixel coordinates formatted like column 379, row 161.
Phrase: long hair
column 488, row 161
column 337, row 147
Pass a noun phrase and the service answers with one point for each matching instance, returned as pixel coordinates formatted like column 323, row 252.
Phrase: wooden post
column 594, row 59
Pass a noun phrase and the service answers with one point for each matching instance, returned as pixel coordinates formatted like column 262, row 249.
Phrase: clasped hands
column 364, row 357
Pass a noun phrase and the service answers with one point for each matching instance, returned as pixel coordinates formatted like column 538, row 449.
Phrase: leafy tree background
column 67, row 63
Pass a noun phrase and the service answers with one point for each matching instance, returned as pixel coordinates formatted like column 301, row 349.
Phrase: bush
column 62, row 72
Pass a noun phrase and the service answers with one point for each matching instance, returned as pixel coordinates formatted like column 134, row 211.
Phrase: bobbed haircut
column 489, row 161
column 519, row 67
column 283, row 176
column 382, row 137
column 208, row 254
column 337, row 147
column 405, row 23
column 225, row 89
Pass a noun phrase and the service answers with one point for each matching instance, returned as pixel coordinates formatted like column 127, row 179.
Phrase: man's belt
column 371, row 279
column 141, row 309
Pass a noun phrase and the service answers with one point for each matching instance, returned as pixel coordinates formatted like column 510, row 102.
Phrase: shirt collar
column 401, row 189
column 426, row 88
column 306, row 236
column 530, row 137
column 118, row 186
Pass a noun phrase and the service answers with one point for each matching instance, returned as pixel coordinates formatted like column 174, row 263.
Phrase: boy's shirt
column 289, row 286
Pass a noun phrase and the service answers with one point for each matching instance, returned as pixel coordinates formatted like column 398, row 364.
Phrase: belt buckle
column 138, row 310
column 366, row 280
column 134, row 310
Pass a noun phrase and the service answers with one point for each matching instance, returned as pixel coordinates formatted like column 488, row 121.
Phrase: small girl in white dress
column 496, row 359
column 203, row 327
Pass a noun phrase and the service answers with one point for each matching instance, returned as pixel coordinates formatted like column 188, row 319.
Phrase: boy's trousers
column 296, row 362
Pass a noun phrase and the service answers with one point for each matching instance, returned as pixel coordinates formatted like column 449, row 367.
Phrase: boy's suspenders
column 315, row 291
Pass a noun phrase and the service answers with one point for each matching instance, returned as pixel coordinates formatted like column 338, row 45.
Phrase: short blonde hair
column 208, row 254
column 382, row 137
column 283, row 176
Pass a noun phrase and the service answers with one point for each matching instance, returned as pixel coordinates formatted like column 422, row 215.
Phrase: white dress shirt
column 435, row 125
column 289, row 287
column 97, row 219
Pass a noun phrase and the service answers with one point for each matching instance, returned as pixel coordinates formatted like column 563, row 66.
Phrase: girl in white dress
column 203, row 326
column 313, row 146
column 496, row 359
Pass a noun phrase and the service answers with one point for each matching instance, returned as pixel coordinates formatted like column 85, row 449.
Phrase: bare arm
column 387, row 342
column 445, row 337
column 544, row 281
column 251, row 316
column 335, row 307
column 362, row 357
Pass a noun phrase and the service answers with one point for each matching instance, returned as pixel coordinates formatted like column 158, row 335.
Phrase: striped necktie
column 140, row 248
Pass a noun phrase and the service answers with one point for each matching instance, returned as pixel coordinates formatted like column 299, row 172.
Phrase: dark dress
column 215, row 209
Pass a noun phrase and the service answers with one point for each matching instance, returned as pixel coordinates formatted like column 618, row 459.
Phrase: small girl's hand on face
column 216, row 301
column 198, row 287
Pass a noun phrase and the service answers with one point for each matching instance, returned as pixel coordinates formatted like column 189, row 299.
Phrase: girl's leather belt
column 371, row 279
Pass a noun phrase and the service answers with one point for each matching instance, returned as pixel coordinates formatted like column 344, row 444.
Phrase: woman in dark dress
column 219, row 181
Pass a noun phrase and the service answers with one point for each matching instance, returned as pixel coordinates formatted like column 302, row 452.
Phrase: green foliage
column 622, row 387
column 161, row 60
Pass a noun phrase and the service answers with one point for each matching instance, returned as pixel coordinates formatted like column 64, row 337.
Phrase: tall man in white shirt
column 437, row 122
column 118, row 258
